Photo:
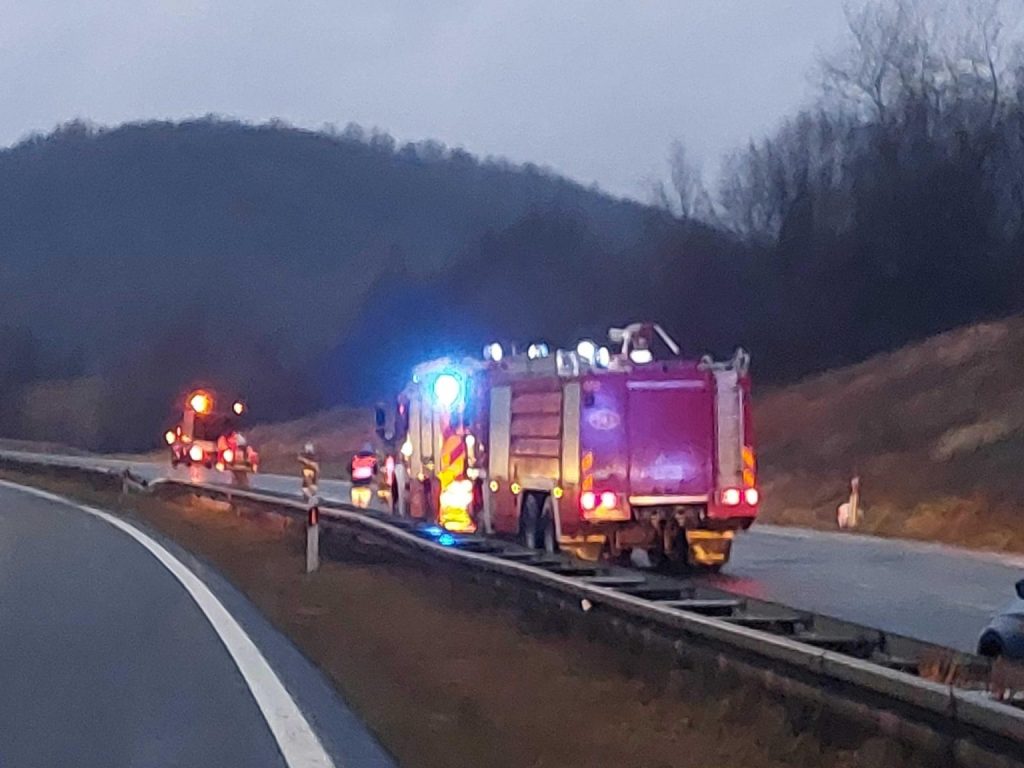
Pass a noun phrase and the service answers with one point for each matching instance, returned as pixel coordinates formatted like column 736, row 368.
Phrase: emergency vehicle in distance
column 597, row 451
column 209, row 437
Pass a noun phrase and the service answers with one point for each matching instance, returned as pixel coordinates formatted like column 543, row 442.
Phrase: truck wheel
column 613, row 556
column 396, row 500
column 546, row 532
column 529, row 519
column 429, row 509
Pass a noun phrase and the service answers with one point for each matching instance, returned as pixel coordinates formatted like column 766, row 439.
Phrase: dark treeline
column 894, row 208
column 889, row 210
column 313, row 268
column 138, row 261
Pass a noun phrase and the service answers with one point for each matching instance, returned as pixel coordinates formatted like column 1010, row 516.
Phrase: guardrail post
column 313, row 539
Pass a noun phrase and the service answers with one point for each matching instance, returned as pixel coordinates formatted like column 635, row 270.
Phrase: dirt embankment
column 337, row 433
column 447, row 678
column 935, row 431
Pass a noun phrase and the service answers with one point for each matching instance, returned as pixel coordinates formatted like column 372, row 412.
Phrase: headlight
column 195, row 453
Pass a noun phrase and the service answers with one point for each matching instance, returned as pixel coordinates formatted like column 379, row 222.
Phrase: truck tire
column 547, row 538
column 429, row 507
column 613, row 556
column 396, row 500
column 529, row 522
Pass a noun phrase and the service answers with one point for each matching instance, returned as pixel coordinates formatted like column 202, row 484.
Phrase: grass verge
column 445, row 677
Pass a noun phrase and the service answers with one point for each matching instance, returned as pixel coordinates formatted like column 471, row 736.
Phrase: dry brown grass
column 337, row 433
column 934, row 430
column 447, row 677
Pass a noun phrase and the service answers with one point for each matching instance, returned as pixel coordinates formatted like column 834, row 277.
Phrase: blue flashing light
column 433, row 530
column 446, row 540
column 447, row 389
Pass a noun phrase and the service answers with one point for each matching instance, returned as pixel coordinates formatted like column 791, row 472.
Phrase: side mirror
column 380, row 419
column 1019, row 586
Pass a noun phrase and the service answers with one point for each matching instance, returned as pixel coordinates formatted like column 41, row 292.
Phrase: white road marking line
column 299, row 745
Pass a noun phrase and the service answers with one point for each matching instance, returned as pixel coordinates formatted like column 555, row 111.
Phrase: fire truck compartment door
column 671, row 437
column 500, row 432
column 571, row 434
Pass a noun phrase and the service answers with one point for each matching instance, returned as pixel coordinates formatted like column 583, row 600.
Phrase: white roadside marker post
column 313, row 539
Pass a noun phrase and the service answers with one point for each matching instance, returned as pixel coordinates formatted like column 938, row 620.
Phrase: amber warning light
column 200, row 402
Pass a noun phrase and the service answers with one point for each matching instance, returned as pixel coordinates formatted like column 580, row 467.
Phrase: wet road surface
column 107, row 659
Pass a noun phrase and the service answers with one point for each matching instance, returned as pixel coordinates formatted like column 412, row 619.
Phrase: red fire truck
column 590, row 449
column 209, row 437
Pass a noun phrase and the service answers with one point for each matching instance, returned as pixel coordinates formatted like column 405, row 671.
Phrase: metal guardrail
column 965, row 726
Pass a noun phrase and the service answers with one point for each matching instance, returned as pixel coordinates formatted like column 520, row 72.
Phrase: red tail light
column 751, row 496
column 731, row 497
column 603, row 505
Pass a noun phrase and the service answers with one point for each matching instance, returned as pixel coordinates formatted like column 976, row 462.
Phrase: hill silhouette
column 313, row 269
column 151, row 256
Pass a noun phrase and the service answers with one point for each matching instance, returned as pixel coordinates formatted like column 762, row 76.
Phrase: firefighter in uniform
column 363, row 469
column 309, row 463
column 364, row 466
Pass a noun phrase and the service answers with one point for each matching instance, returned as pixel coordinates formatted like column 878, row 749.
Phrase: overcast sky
column 596, row 90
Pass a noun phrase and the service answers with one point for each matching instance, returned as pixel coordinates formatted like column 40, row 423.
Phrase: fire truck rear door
column 671, row 440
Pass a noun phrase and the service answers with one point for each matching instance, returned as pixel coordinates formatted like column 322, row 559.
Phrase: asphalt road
column 106, row 659
column 935, row 593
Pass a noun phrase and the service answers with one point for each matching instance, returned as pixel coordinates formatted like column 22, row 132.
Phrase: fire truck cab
column 594, row 450
column 209, row 437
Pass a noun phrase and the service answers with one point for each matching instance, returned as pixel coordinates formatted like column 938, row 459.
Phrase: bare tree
column 658, row 196
column 867, row 73
column 982, row 45
column 904, row 56
column 686, row 180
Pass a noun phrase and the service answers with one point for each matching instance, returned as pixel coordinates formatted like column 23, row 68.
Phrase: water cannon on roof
column 636, row 339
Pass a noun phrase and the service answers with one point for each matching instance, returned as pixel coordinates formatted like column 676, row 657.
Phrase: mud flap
column 585, row 547
column 708, row 548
